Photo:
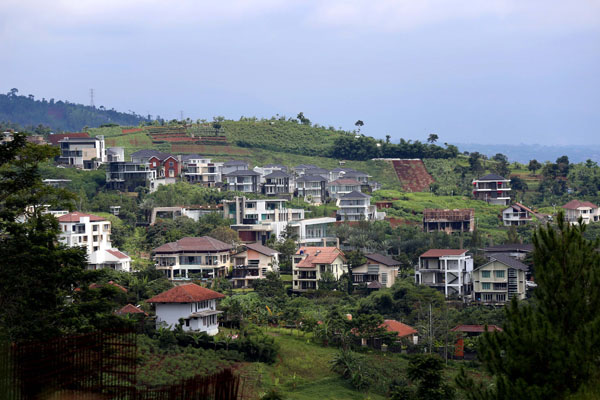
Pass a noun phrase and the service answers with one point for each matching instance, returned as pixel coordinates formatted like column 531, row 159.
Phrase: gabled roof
column 277, row 174
column 391, row 325
column 57, row 137
column 374, row 285
column 243, row 172
column 507, row 260
column 283, row 167
column 187, row 157
column 130, row 309
column 354, row 173
column 189, row 244
column 311, row 178
column 434, row 253
column 76, row 216
column 492, row 177
column 475, row 328
column 318, row 255
column 118, row 254
column 340, row 169
column 305, row 166
column 575, row 204
column 111, row 283
column 355, row 195
column 188, row 293
column 344, row 181
column 381, row 259
column 147, row 153
column 519, row 207
column 262, row 249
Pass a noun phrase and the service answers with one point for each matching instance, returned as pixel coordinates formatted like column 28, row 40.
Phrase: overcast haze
column 482, row 71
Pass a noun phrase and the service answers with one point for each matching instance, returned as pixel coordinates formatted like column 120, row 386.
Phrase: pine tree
column 550, row 346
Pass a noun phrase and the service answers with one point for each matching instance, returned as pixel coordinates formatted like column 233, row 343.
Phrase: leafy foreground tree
column 37, row 274
column 549, row 348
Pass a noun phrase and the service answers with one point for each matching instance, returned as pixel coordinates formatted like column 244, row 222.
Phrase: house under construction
column 449, row 221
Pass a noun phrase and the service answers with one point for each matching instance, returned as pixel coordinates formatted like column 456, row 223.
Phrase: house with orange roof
column 92, row 232
column 575, row 209
column 309, row 264
column 204, row 257
column 448, row 270
column 401, row 330
column 194, row 304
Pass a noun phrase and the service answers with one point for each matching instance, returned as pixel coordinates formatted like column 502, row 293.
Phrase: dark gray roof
column 381, row 259
column 509, row 247
column 355, row 195
column 374, row 285
column 311, row 178
column 508, row 261
column 234, row 162
column 150, row 153
column 186, row 157
column 262, row 249
column 492, row 177
column 305, row 166
column 277, row 174
column 243, row 172
column 276, row 166
column 339, row 169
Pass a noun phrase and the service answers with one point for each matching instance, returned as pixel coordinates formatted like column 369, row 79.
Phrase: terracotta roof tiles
column 188, row 293
column 443, row 252
column 76, row 216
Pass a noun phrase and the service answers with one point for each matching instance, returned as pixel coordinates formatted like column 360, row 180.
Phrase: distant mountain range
column 525, row 152
column 59, row 115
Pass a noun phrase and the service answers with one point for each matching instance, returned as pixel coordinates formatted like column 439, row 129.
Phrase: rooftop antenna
column 181, row 115
column 91, row 97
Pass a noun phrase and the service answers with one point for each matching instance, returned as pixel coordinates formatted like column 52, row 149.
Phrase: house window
column 187, row 322
column 500, row 274
column 486, row 286
column 501, row 297
column 384, row 278
column 485, row 274
column 487, row 297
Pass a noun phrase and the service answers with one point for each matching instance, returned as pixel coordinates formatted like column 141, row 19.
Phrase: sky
column 470, row 71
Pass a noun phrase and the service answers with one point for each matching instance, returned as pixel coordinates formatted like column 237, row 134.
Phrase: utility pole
column 430, row 330
column 91, row 97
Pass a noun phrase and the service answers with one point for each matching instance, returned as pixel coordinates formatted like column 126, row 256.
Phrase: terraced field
column 413, row 175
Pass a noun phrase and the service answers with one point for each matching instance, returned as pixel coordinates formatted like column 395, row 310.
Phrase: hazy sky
column 483, row 71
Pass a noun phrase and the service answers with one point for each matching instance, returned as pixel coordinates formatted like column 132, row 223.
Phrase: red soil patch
column 132, row 130
column 413, row 175
column 207, row 149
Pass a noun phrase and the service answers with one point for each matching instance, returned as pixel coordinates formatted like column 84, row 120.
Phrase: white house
column 448, row 270
column 586, row 210
column 313, row 231
column 516, row 215
column 243, row 180
column 356, row 206
column 93, row 233
column 201, row 170
column 499, row 280
column 492, row 188
column 253, row 263
column 81, row 152
column 195, row 305
column 378, row 268
column 341, row 187
column 310, row 263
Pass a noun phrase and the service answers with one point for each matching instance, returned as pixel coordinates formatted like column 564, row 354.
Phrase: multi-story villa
column 257, row 220
column 195, row 305
column 342, row 186
column 310, row 263
column 516, row 215
column 379, row 271
column 313, row 231
column 202, row 257
column 278, row 183
column 492, row 188
column 448, row 270
column 586, row 210
column 92, row 233
column 127, row 176
column 449, row 221
column 253, row 263
column 312, row 188
column 356, row 206
column 201, row 170
column 233, row 166
column 244, row 180
column 499, row 280
column 81, row 152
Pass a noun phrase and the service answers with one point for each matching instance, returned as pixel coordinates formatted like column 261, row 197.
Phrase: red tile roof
column 57, row 137
column 344, row 182
column 575, row 204
column 130, row 309
column 117, row 253
column 188, row 293
column 443, row 252
column 98, row 286
column 318, row 255
column 76, row 216
column 475, row 328
column 403, row 330
column 199, row 244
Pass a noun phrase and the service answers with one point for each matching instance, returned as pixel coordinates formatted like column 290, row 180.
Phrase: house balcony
column 306, row 275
